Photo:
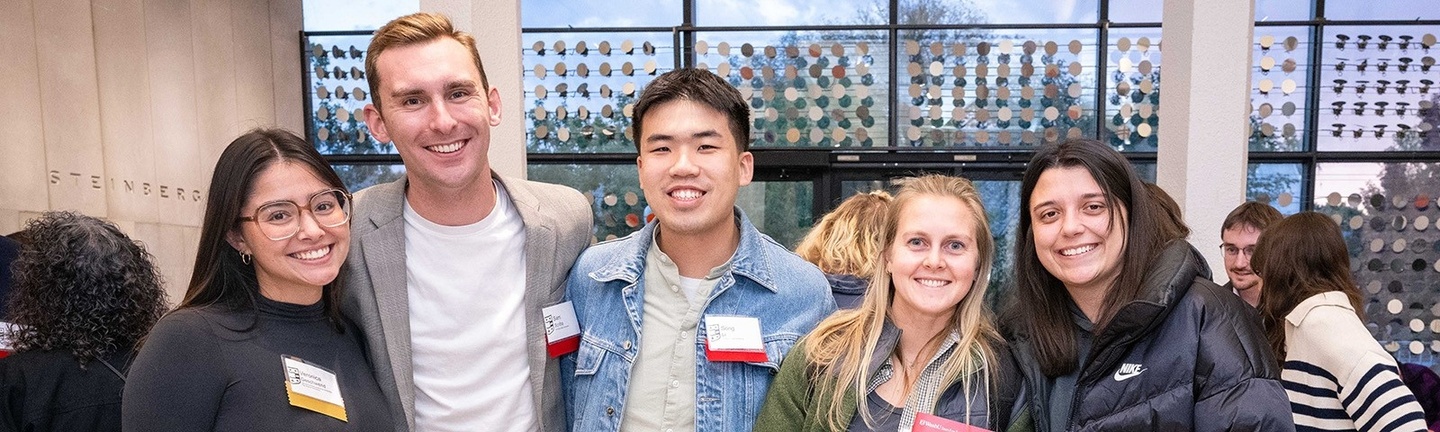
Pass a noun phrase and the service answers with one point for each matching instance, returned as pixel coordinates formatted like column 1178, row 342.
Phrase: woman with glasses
column 258, row 343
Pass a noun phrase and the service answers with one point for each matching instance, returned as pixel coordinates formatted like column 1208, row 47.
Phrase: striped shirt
column 1338, row 377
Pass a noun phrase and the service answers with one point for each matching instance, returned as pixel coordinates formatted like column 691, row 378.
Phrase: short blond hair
column 414, row 29
column 847, row 240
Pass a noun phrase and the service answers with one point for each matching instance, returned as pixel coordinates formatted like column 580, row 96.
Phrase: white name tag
column 733, row 338
column 312, row 387
column 562, row 330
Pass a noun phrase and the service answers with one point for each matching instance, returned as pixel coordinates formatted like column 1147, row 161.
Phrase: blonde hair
column 414, row 29
column 841, row 348
column 847, row 240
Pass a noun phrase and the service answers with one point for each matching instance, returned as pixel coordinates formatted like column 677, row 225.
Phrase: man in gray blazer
column 451, row 266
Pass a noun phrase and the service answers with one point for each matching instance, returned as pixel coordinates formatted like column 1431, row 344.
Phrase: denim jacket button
column 609, row 411
column 626, row 345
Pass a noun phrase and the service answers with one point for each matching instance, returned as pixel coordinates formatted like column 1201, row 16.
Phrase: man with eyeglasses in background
column 1238, row 235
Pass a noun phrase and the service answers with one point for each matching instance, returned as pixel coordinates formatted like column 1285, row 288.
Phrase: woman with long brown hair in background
column 1336, row 374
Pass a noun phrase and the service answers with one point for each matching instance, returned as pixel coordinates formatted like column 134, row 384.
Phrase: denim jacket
column 787, row 294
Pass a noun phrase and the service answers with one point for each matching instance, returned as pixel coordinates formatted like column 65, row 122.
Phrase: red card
column 933, row 423
column 753, row 356
column 563, row 346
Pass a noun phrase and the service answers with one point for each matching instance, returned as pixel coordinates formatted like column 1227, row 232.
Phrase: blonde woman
column 845, row 242
column 921, row 344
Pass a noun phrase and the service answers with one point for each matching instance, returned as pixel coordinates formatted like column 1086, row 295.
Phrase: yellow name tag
column 312, row 387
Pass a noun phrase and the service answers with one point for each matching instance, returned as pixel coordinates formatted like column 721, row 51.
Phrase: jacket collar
column 1168, row 279
column 1328, row 298
column 749, row 260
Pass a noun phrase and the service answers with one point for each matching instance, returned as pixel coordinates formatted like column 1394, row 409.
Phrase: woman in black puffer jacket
column 1116, row 326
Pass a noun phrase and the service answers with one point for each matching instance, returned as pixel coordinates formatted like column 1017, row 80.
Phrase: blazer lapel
column 384, row 249
column 541, row 289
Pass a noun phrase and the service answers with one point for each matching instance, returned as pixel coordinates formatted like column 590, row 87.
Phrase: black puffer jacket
column 1186, row 356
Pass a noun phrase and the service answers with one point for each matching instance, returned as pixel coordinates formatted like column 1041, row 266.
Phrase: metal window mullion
column 894, row 71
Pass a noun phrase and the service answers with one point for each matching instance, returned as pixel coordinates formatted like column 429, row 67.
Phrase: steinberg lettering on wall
column 130, row 186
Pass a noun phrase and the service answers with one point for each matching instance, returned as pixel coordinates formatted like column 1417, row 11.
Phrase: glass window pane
column 1377, row 88
column 614, row 192
column 580, row 88
column 1283, row 10
column 1395, row 10
column 338, row 93
column 361, row 176
column 1136, row 11
column 1278, row 185
column 996, row 88
column 599, row 13
column 332, row 15
column 1002, row 207
column 789, row 12
column 1132, row 89
column 991, row 12
column 806, row 89
column 1145, row 170
column 1279, row 93
column 1387, row 215
column 783, row 210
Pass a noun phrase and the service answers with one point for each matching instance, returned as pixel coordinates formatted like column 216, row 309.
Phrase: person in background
column 846, row 243
column 1115, row 328
column 686, row 320
column 1337, row 376
column 84, row 294
column 1238, row 236
column 456, row 264
column 9, row 250
column 1174, row 221
column 1425, row 384
column 258, row 343
column 922, row 345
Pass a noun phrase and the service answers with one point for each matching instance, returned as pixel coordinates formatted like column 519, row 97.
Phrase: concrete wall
column 1204, row 143
column 119, row 108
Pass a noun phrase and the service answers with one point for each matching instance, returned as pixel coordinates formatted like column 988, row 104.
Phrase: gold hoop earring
column 245, row 258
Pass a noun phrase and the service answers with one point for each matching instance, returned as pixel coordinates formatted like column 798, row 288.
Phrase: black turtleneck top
column 214, row 368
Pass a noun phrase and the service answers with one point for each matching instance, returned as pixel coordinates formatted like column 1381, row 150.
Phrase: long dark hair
column 1297, row 258
column 82, row 286
column 220, row 278
column 1046, row 312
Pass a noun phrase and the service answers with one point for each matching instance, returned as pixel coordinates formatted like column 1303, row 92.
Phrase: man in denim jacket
column 719, row 303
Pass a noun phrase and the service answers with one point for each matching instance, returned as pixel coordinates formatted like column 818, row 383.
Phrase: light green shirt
column 661, row 395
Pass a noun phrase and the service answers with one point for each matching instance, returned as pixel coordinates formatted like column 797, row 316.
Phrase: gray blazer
column 558, row 225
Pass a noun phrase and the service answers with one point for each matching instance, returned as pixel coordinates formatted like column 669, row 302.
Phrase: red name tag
column 734, row 339
column 753, row 356
column 933, row 423
column 562, row 330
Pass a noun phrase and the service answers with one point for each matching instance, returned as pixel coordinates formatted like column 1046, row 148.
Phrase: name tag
column 313, row 388
column 933, row 423
column 562, row 330
column 730, row 338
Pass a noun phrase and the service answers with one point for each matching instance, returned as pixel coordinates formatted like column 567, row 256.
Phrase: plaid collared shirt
column 927, row 389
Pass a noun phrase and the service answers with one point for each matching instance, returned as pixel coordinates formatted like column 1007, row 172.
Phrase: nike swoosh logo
column 1122, row 376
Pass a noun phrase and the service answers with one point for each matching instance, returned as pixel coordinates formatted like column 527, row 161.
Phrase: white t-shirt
column 467, row 322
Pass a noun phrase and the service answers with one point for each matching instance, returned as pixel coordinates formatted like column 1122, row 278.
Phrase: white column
column 496, row 27
column 1203, row 141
